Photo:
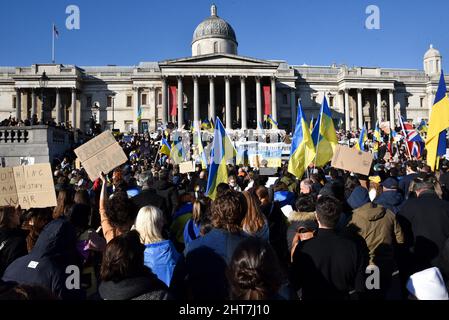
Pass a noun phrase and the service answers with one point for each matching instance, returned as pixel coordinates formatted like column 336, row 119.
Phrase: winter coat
column 169, row 192
column 145, row 287
column 46, row 264
column 328, row 267
column 425, row 221
column 161, row 257
column 380, row 229
column 12, row 246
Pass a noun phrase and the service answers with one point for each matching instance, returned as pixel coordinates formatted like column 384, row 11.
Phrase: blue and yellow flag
column 165, row 147
column 274, row 123
column 303, row 150
column 139, row 113
column 199, row 143
column 360, row 145
column 311, row 125
column 177, row 152
column 324, row 136
column 422, row 127
column 376, row 134
column 438, row 123
column 222, row 151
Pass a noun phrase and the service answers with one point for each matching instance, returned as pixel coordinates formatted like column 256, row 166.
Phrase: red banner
column 267, row 100
column 173, row 101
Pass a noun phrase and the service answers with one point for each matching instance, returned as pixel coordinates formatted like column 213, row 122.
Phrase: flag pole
column 53, row 43
column 318, row 141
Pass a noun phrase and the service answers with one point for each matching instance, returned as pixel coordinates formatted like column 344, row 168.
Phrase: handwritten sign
column 101, row 154
column 351, row 159
column 186, row 167
column 27, row 186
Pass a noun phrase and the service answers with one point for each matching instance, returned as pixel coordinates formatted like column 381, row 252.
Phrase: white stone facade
column 217, row 82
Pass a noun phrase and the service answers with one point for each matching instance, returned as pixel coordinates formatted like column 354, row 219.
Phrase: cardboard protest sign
column 351, row 159
column 27, row 186
column 186, row 167
column 101, row 154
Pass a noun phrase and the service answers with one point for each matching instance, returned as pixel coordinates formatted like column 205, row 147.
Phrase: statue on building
column 366, row 111
column 384, row 111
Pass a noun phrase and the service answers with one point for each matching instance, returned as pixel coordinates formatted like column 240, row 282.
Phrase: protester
column 160, row 254
column 123, row 273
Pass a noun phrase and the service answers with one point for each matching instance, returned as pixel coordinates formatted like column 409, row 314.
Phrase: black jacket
column 145, row 287
column 328, row 267
column 46, row 264
column 404, row 183
column 425, row 222
column 12, row 246
column 149, row 197
column 168, row 192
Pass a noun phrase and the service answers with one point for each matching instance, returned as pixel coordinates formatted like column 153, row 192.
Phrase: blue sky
column 298, row 31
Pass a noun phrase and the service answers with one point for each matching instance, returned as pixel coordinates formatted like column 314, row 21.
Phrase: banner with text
column 28, row 186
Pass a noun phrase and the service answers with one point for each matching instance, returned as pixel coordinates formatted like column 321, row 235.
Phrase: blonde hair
column 150, row 222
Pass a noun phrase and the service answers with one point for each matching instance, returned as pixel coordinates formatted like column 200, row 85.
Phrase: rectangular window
column 144, row 99
column 129, row 101
column 89, row 101
column 284, row 99
column 421, row 102
column 159, row 98
column 14, row 101
column 331, row 101
column 109, row 104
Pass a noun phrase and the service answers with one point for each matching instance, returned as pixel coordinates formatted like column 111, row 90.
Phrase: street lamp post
column 43, row 82
column 113, row 114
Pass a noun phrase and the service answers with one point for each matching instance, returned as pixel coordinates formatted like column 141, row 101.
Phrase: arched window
column 215, row 47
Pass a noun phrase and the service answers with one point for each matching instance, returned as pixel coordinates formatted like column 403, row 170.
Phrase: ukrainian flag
column 165, row 147
column 376, row 135
column 222, row 151
column 438, row 123
column 139, row 113
column 422, row 127
column 311, row 125
column 274, row 124
column 360, row 145
column 324, row 136
column 302, row 150
column 177, row 152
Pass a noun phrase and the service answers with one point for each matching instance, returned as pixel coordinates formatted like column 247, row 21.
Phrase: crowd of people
column 147, row 232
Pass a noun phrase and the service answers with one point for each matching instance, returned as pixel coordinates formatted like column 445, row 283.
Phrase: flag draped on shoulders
column 222, row 151
column 324, row 136
column 438, row 123
column 302, row 150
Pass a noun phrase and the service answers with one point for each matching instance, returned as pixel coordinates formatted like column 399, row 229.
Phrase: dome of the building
column 214, row 35
column 214, row 27
column 432, row 53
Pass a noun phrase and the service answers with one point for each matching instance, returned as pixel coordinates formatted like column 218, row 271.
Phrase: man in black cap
column 390, row 198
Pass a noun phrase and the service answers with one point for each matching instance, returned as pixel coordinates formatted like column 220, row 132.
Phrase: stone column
column 196, row 102
column 74, row 126
column 228, row 103
column 347, row 115
column 18, row 104
column 258, row 103
column 58, row 106
column 430, row 100
column 359, row 108
column 136, row 108
column 274, row 110
column 180, row 103
column 153, row 104
column 293, row 108
column 211, row 99
column 379, row 105
column 164, row 101
column 33, row 103
column 243, row 103
column 391, row 108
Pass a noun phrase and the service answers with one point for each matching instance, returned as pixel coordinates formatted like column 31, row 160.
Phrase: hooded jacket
column 46, row 264
column 378, row 226
column 391, row 200
column 12, row 246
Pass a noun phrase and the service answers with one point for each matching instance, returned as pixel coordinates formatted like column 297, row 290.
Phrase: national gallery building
column 216, row 81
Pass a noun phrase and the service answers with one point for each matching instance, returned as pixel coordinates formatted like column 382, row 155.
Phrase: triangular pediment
column 219, row 60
